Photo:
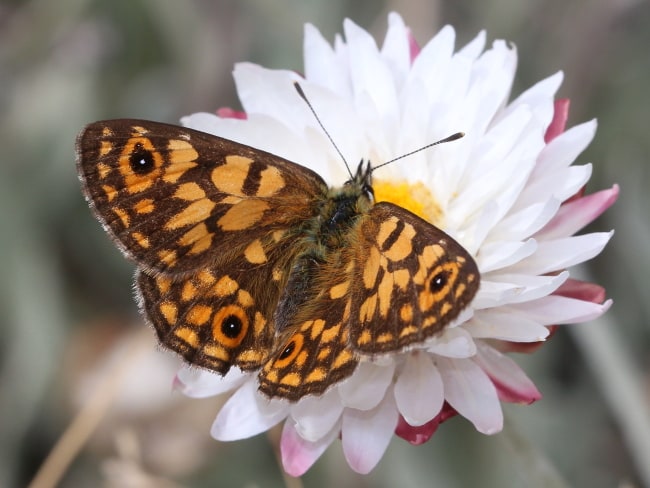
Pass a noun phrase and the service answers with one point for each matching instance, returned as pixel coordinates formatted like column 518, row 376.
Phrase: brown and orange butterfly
column 246, row 259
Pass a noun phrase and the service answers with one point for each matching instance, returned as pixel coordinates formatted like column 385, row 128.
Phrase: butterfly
column 246, row 259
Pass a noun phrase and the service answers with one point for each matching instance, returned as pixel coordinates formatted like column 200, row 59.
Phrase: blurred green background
column 68, row 319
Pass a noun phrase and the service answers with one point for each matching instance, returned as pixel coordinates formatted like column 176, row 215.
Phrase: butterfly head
column 344, row 204
column 362, row 181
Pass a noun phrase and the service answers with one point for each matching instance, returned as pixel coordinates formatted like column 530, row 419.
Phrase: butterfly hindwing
column 177, row 200
column 410, row 281
column 220, row 317
column 313, row 352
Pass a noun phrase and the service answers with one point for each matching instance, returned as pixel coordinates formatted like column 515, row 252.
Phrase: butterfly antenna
column 304, row 97
column 452, row 137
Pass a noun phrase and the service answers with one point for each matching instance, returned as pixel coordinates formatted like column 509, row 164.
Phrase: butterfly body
column 246, row 259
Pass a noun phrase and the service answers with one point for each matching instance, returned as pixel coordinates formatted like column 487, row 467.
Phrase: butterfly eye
column 369, row 192
column 141, row 160
column 438, row 282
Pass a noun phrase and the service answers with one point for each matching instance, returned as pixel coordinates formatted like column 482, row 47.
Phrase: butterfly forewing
column 410, row 281
column 177, row 200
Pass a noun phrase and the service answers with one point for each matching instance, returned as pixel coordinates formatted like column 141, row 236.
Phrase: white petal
column 556, row 309
column 505, row 324
column 270, row 92
column 419, row 392
column 496, row 255
column 430, row 67
column 474, row 238
column 576, row 177
column 560, row 185
column 268, row 134
column 562, row 253
column 501, row 163
column 322, row 65
column 473, row 48
column 203, row 121
column 507, row 374
column 200, row 383
column 524, row 222
column 465, row 315
column 344, row 125
column 492, row 77
column 246, row 414
column 395, row 50
column 316, row 416
column 565, row 148
column 365, row 435
column 414, row 131
column 296, row 135
column 370, row 76
column 528, row 287
column 298, row 454
column 494, row 293
column 454, row 343
column 539, row 98
column 469, row 390
column 367, row 386
column 499, row 288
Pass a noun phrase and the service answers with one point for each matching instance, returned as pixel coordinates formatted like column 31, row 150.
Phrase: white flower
column 506, row 191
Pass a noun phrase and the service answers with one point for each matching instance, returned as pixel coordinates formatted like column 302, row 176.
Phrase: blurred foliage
column 66, row 293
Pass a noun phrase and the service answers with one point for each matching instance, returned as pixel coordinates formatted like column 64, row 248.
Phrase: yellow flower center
column 414, row 197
